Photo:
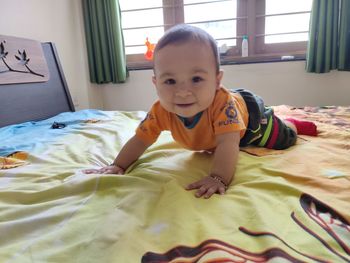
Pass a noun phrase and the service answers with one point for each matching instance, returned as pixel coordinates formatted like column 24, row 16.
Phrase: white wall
column 288, row 83
column 278, row 83
column 61, row 22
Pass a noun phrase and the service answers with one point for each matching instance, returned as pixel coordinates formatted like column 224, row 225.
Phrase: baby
column 201, row 114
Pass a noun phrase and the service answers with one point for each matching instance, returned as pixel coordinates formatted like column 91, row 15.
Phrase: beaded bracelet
column 219, row 179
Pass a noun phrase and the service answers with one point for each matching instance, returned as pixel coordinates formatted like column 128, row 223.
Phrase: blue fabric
column 23, row 136
column 190, row 125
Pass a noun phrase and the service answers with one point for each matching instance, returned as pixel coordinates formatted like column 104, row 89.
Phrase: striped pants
column 265, row 129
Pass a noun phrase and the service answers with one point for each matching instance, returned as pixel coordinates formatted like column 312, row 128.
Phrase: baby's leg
column 282, row 136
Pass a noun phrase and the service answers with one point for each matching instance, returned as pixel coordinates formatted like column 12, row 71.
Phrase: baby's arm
column 130, row 152
column 224, row 166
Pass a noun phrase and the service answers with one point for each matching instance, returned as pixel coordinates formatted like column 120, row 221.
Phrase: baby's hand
column 110, row 169
column 208, row 186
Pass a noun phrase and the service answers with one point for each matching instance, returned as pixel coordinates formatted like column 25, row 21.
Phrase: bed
column 283, row 206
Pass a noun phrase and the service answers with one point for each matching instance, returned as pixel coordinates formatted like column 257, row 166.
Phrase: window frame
column 250, row 21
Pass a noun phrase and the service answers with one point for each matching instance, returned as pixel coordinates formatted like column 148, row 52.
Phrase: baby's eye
column 170, row 81
column 197, row 79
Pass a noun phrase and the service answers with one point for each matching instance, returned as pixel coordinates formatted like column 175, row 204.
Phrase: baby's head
column 186, row 70
column 183, row 33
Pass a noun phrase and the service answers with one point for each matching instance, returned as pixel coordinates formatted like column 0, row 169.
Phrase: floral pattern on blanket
column 334, row 224
column 336, row 116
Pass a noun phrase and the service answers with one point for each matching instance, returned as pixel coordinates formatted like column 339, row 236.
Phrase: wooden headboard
column 36, row 101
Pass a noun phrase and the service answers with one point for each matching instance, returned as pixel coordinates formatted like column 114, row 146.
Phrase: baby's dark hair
column 182, row 33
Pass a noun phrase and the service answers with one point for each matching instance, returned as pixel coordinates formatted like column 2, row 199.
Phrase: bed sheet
column 283, row 206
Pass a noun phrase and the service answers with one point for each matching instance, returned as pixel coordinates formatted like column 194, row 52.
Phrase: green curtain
column 329, row 36
column 104, row 40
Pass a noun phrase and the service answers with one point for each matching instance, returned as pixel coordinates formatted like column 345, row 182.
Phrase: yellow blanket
column 293, row 206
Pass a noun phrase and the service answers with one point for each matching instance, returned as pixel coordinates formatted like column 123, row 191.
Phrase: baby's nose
column 183, row 93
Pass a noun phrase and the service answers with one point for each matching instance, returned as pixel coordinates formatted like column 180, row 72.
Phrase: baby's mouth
column 184, row 105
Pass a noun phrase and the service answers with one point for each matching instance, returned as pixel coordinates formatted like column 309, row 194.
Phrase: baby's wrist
column 114, row 163
column 220, row 179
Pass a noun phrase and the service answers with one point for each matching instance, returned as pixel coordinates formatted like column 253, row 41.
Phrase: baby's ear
column 154, row 80
column 219, row 78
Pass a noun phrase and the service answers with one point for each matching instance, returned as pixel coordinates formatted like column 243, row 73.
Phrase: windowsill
column 227, row 60
column 235, row 60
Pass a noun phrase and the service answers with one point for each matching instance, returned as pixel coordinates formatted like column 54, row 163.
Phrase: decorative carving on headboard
column 22, row 61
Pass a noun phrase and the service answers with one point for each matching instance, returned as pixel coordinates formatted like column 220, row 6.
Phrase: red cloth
column 304, row 127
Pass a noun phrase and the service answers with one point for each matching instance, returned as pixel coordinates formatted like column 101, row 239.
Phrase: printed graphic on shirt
column 148, row 117
column 230, row 113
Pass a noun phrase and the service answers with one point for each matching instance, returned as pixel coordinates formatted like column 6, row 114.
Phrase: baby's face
column 186, row 78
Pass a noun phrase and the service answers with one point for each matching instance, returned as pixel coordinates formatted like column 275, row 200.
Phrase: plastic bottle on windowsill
column 245, row 46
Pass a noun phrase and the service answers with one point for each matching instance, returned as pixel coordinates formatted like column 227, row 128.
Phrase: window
column 274, row 27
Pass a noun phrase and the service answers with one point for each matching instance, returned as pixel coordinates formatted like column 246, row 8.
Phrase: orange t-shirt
column 227, row 113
